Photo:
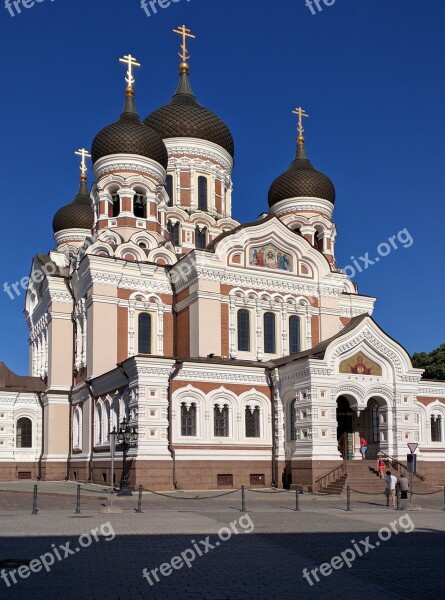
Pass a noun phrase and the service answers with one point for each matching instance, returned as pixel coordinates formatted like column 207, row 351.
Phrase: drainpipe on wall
column 177, row 367
column 274, row 443
column 39, row 476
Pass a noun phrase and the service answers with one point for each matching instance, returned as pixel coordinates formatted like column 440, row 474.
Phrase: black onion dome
column 76, row 215
column 301, row 179
column 129, row 135
column 184, row 116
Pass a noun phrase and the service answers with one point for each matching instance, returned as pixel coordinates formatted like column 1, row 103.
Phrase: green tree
column 433, row 363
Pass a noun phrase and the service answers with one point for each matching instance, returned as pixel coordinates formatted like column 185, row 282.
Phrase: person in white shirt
column 391, row 482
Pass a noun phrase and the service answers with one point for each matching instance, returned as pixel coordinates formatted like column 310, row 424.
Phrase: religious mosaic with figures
column 359, row 364
column 270, row 257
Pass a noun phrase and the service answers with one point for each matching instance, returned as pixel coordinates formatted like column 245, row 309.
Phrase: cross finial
column 83, row 163
column 301, row 114
column 131, row 62
column 185, row 33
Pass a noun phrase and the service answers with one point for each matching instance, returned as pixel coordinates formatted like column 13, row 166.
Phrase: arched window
column 243, row 330
column 202, row 193
column 173, row 230
column 252, row 415
column 169, row 188
column 188, row 419
column 221, row 420
column 375, row 422
column 436, row 428
column 116, row 205
column 98, row 425
column 144, row 333
column 270, row 345
column 106, row 423
column 24, row 433
column 294, row 334
column 77, row 428
column 318, row 240
column 200, row 238
column 140, row 206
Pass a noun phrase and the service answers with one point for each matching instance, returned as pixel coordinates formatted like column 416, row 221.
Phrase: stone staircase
column 362, row 475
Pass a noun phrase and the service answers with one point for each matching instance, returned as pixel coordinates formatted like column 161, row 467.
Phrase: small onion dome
column 184, row 116
column 78, row 214
column 129, row 135
column 301, row 180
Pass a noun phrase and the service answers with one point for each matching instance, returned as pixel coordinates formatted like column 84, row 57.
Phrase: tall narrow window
column 436, row 428
column 24, row 433
column 294, row 335
column 188, row 419
column 169, row 188
column 243, row 330
column 270, row 345
column 140, row 206
column 293, row 420
column 200, row 238
column 202, row 193
column 144, row 333
column 318, row 241
column 173, row 230
column 253, row 422
column 221, row 420
column 116, row 205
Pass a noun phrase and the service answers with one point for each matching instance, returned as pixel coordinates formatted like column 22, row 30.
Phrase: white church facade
column 240, row 353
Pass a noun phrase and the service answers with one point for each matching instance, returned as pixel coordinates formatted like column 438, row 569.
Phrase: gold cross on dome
column 301, row 114
column 131, row 62
column 83, row 163
column 182, row 30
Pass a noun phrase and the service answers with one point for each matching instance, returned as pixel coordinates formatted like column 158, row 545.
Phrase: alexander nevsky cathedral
column 238, row 353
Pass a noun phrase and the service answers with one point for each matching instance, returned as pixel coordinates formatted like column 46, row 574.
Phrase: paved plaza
column 265, row 559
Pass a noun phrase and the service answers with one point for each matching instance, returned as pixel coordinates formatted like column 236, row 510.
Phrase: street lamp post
column 126, row 436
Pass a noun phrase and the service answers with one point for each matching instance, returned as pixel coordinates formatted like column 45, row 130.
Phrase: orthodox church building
column 240, row 353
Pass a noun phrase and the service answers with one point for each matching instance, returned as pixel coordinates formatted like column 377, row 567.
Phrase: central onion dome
column 301, row 180
column 129, row 135
column 184, row 116
column 78, row 214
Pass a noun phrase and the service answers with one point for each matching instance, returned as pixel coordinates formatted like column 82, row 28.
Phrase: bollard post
column 297, row 500
column 77, row 511
column 243, row 499
column 398, row 497
column 34, row 501
column 139, row 510
column 348, row 498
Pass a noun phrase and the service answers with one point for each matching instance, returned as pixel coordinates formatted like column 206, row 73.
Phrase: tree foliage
column 433, row 363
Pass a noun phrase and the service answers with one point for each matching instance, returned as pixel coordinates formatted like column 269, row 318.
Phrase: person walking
column 363, row 447
column 391, row 482
column 404, row 486
column 381, row 466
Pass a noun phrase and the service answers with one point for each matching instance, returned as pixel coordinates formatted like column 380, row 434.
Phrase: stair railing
column 394, row 462
column 333, row 475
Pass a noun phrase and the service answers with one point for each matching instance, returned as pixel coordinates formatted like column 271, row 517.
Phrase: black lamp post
column 126, row 436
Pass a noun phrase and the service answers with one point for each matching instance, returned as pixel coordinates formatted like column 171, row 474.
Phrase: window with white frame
column 253, row 421
column 243, row 321
column 188, row 419
column 269, row 333
column 98, row 424
column 436, row 427
column 221, row 420
column 24, row 433
column 77, row 428
column 144, row 333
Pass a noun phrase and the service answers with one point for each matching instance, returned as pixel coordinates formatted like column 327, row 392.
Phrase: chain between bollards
column 348, row 498
column 243, row 499
column 34, row 501
column 297, row 500
column 139, row 509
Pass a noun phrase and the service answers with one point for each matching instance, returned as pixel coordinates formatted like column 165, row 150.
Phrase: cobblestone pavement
column 266, row 563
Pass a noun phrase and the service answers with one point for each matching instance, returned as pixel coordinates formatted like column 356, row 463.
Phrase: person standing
column 381, row 466
column 391, row 482
column 363, row 447
column 404, row 486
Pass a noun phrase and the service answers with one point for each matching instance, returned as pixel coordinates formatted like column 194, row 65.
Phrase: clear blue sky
column 369, row 73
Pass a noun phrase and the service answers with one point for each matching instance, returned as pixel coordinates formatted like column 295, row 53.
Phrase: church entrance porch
column 353, row 424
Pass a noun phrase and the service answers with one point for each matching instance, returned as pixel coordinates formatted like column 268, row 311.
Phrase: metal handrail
column 341, row 468
column 394, row 461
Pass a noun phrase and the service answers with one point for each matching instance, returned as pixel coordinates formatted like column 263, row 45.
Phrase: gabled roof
column 10, row 381
column 221, row 236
